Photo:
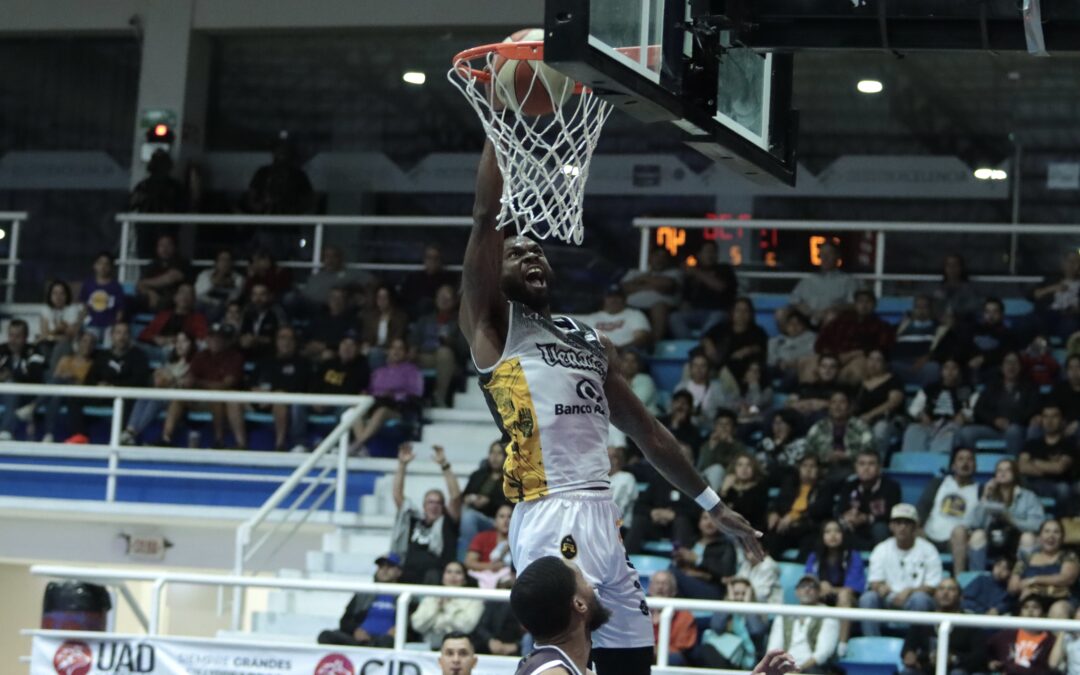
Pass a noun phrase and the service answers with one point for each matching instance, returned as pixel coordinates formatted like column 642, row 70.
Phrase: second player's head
column 551, row 599
column 526, row 273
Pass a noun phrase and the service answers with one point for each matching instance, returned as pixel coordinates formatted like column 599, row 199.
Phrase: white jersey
column 546, row 393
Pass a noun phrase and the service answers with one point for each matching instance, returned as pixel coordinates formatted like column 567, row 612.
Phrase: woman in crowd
column 488, row 559
column 700, row 569
column 640, row 382
column 59, row 322
column 1050, row 571
column 173, row 374
column 841, row 571
column 70, row 369
column 781, row 452
column 795, row 517
column 879, row 399
column 737, row 344
column 753, row 400
column 1006, row 515
column 744, row 490
column 381, row 325
column 955, row 298
column 436, row 617
column 791, row 347
column 397, row 387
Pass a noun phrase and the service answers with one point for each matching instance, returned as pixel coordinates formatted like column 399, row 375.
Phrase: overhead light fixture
column 986, row 173
column 869, row 86
column 414, row 77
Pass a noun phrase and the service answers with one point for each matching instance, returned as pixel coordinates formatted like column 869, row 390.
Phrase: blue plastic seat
column 965, row 578
column 661, row 547
column 919, row 462
column 674, row 349
column 986, row 463
column 790, row 573
column 872, row 656
column 647, row 565
column 1018, row 307
column 990, row 444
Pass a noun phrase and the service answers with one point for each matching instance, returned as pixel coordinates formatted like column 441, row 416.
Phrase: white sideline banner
column 70, row 653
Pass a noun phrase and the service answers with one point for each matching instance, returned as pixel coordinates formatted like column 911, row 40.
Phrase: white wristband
column 708, row 499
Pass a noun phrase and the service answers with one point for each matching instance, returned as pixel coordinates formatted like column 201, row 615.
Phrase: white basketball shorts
column 582, row 526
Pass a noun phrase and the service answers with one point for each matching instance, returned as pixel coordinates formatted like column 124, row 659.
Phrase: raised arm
column 483, row 310
column 665, row 454
column 405, row 455
column 453, row 488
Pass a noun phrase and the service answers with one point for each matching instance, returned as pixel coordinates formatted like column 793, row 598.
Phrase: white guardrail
column 405, row 593
column 14, row 219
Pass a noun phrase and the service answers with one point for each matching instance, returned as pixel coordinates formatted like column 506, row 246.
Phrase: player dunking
column 547, row 382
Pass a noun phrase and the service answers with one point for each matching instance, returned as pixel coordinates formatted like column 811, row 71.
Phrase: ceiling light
column 998, row 174
column 983, row 173
column 869, row 86
column 414, row 77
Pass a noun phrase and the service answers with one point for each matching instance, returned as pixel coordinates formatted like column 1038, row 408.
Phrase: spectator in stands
column 879, row 400
column 345, row 374
column 262, row 318
column 1057, row 302
column 947, row 500
column 181, row 317
column 102, row 298
column 811, row 399
column 219, row 285
column 1067, row 396
column 738, row 343
column 457, row 656
column 840, row 568
column 263, row 270
column 234, row 317
column 662, row 513
column 764, row 576
column 782, row 452
column 709, row 290
column 939, row 411
column 1003, row 409
column 720, row 449
column 679, row 420
column 280, row 187
column 219, row 367
column 811, row 641
column 436, row 617
column 397, row 388
column 381, row 325
column 1006, row 515
column 163, row 275
column 334, row 275
column 838, row 438
column 824, row 294
column 488, row 560
column 369, row 619
column 655, row 291
column 792, row 347
column 70, row 369
column 915, row 336
column 851, row 336
column 623, row 484
column 1038, row 363
column 159, row 192
column 708, row 393
column 483, row 496
column 753, row 400
column 1065, row 656
column 744, row 489
column 642, row 382
column 991, row 340
column 329, row 325
column 955, row 296
column 865, row 502
column 796, row 515
column 627, row 327
column 701, row 568
column 684, row 632
column 426, row 538
column 732, row 641
column 438, row 343
column 989, row 593
column 59, row 323
column 1049, row 572
column 1046, row 463
column 174, row 373
column 419, row 288
column 966, row 644
column 904, row 570
column 1018, row 651
column 285, row 371
column 499, row 632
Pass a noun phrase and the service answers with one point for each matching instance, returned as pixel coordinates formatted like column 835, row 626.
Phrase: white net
column 544, row 159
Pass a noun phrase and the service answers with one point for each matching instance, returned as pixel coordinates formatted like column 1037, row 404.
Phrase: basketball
column 529, row 87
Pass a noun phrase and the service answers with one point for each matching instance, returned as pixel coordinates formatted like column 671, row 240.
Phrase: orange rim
column 512, row 51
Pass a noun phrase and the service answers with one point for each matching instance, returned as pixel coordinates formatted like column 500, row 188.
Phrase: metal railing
column 128, row 263
column 11, row 262
column 405, row 593
column 879, row 228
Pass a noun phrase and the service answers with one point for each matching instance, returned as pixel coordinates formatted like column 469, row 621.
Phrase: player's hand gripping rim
column 735, row 526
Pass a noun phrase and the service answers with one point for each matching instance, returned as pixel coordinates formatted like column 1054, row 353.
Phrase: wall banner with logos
column 70, row 653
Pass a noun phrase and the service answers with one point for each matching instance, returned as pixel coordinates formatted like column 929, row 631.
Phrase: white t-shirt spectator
column 800, row 648
column 952, row 502
column 916, row 567
column 619, row 327
column 648, row 298
column 68, row 314
column 824, row 290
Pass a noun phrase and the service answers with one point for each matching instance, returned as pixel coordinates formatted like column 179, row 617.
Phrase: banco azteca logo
column 73, row 658
column 335, row 664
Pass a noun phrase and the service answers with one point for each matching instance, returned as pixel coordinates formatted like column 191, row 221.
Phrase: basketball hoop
column 544, row 159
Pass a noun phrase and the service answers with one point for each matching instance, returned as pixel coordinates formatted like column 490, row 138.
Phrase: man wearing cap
column 627, row 327
column 219, row 367
column 369, row 619
column 904, row 570
column 811, row 641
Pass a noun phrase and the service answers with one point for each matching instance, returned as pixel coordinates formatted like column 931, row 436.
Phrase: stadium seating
column 872, row 656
